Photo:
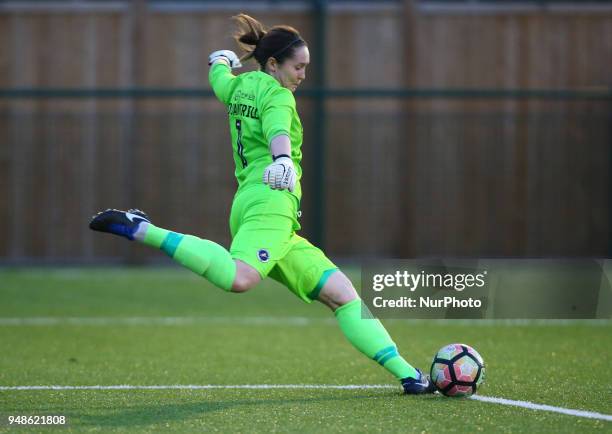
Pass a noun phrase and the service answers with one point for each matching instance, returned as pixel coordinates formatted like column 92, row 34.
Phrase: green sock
column 203, row 257
column 370, row 337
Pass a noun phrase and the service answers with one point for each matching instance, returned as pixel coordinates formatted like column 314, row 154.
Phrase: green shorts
column 263, row 223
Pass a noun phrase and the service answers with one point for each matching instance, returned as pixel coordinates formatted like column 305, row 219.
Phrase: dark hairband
column 282, row 50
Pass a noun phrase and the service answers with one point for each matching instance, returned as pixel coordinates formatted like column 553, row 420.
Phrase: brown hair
column 260, row 43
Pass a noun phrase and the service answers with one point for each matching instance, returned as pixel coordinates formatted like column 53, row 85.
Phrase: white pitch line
column 162, row 321
column 209, row 386
column 543, row 407
column 274, row 321
column 489, row 399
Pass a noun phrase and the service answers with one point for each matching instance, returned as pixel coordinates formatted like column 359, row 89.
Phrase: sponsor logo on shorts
column 263, row 255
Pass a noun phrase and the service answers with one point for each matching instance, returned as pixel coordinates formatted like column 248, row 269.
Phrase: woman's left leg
column 307, row 272
column 365, row 332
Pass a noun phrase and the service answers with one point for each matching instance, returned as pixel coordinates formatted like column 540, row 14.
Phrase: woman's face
column 293, row 70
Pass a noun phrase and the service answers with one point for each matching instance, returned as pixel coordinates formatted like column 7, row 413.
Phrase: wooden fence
column 404, row 176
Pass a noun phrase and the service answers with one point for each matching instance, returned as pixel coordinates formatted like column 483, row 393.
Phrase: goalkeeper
column 266, row 135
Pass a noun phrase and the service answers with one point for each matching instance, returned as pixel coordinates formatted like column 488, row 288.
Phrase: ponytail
column 260, row 43
column 250, row 32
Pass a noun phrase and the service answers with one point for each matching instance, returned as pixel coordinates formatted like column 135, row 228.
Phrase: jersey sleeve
column 276, row 113
column 220, row 77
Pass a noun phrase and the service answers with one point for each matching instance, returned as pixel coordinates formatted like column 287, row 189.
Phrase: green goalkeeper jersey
column 259, row 109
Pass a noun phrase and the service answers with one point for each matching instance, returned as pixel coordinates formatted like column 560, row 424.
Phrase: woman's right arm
column 220, row 75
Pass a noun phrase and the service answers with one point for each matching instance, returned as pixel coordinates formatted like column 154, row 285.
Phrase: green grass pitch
column 266, row 336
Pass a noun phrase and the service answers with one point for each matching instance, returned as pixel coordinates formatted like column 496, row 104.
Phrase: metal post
column 610, row 173
column 320, row 121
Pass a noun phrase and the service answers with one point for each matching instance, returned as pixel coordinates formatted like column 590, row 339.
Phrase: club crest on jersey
column 263, row 255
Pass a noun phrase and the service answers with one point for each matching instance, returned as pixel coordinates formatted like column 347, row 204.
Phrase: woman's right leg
column 246, row 277
column 204, row 257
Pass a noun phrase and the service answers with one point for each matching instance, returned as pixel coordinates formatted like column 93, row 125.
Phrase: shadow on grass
column 163, row 413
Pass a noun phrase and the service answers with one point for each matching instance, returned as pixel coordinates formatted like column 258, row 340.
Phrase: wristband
column 276, row 157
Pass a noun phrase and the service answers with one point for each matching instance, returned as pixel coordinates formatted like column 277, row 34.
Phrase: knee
column 337, row 291
column 344, row 297
column 242, row 284
column 246, row 278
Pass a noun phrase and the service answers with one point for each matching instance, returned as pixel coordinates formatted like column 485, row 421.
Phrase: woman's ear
column 271, row 64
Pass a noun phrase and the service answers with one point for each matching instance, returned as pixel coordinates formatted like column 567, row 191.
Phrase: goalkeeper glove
column 228, row 55
column 280, row 175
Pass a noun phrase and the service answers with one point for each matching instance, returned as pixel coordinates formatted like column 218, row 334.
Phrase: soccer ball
column 457, row 370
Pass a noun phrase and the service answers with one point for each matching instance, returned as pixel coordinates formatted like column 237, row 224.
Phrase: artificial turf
column 166, row 326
